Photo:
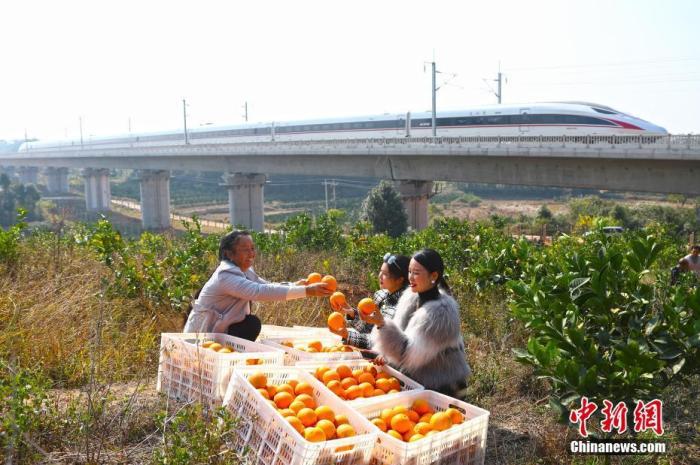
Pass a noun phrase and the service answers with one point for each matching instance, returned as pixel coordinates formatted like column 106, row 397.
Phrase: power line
column 593, row 65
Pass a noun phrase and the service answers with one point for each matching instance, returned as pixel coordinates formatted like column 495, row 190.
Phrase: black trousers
column 248, row 329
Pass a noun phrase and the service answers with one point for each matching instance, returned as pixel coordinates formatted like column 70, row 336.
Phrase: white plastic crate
column 407, row 384
column 271, row 440
column 463, row 444
column 272, row 331
column 294, row 355
column 187, row 372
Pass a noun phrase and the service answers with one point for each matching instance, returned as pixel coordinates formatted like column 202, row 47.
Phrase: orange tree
column 603, row 320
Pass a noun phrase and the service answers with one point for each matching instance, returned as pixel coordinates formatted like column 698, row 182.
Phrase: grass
column 99, row 354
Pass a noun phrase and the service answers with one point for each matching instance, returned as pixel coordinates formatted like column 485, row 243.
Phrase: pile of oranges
column 359, row 383
column 295, row 401
column 317, row 346
column 416, row 422
column 216, row 347
column 224, row 349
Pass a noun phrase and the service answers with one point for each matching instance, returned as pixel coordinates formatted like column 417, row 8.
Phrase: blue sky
column 111, row 62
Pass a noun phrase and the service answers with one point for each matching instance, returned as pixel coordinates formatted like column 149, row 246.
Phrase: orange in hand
column 367, row 306
column 331, row 283
column 313, row 278
column 338, row 300
column 336, row 321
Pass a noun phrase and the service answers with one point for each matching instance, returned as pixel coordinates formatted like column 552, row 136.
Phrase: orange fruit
column 264, row 393
column 425, row 418
column 336, row 321
column 353, row 392
column 226, row 350
column 455, row 415
column 407, row 435
column 393, row 391
column 395, row 383
column 367, row 389
column 366, row 378
column 345, row 431
column 386, row 415
column 320, row 371
column 341, row 419
column 287, row 412
column 307, row 416
column 272, row 390
column 304, row 388
column 440, row 421
column 297, row 405
column 324, row 412
column 283, row 399
column 413, row 416
column 395, row 434
column 338, row 300
column 314, row 434
column 258, row 379
column 421, row 406
column 216, row 347
column 328, row 428
column 356, row 373
column 285, row 388
column 399, row 409
column 329, row 376
column 313, row 278
column 307, row 400
column 253, row 361
column 343, row 371
column 379, row 423
column 206, row 344
column 296, row 423
column 422, row 428
column 370, row 369
column 331, row 283
column 378, row 392
column 415, row 437
column 347, row 382
column 367, row 306
column 383, row 384
column 382, row 375
column 293, row 383
column 315, row 345
column 401, row 423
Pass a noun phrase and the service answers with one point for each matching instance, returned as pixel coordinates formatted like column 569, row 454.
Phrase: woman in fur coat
column 424, row 339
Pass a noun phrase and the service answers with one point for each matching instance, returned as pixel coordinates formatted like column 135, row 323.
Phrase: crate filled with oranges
column 427, row 427
column 315, row 348
column 289, row 418
column 198, row 366
column 276, row 332
column 359, row 381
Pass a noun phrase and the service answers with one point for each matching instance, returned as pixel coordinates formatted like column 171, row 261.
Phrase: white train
column 537, row 119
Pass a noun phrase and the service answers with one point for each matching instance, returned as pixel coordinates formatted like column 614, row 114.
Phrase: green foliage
column 15, row 196
column 9, row 240
column 23, row 408
column 325, row 233
column 193, row 437
column 384, row 210
column 601, row 324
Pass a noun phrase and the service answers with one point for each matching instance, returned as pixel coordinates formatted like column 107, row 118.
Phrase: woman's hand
column 379, row 360
column 342, row 332
column 345, row 309
column 318, row 290
column 301, row 282
column 375, row 318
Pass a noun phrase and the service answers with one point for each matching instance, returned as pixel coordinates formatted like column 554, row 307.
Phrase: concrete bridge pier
column 56, row 180
column 155, row 199
column 28, row 174
column 98, row 196
column 245, row 199
column 415, row 195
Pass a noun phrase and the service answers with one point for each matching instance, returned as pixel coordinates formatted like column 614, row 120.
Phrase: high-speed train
column 536, row 119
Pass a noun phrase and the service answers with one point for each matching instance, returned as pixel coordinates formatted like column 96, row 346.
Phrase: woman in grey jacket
column 424, row 339
column 223, row 304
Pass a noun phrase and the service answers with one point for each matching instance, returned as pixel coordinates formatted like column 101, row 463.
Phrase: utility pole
column 333, row 184
column 245, row 111
column 499, row 94
column 80, row 122
column 129, row 124
column 184, row 117
column 434, row 100
column 325, row 187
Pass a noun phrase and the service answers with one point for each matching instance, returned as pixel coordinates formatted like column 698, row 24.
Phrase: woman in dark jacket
column 424, row 339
